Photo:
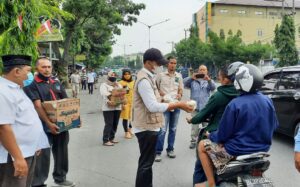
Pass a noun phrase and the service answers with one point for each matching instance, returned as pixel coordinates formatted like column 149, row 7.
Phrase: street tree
column 285, row 42
column 93, row 29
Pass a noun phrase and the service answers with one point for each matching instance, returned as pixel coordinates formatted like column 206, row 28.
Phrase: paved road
column 93, row 165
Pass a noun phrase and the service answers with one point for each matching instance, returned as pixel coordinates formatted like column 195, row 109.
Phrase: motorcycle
column 245, row 171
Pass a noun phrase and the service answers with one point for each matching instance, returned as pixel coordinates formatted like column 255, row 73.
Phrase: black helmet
column 232, row 69
column 248, row 78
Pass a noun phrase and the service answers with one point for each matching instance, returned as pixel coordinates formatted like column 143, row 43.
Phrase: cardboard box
column 65, row 113
column 118, row 96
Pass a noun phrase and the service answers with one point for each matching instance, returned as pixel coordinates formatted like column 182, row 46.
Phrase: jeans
column 111, row 119
column 171, row 121
column 147, row 141
column 83, row 85
column 91, row 88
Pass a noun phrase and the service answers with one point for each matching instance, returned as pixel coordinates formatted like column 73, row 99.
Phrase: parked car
column 282, row 85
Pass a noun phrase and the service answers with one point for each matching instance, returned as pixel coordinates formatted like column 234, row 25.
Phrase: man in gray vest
column 147, row 115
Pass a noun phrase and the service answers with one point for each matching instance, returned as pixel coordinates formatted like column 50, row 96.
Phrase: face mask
column 158, row 69
column 29, row 79
column 127, row 77
column 112, row 79
column 43, row 77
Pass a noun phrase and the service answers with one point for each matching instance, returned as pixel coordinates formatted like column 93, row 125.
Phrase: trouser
column 91, row 88
column 147, row 141
column 59, row 146
column 125, row 125
column 111, row 119
column 171, row 121
column 7, row 178
column 83, row 85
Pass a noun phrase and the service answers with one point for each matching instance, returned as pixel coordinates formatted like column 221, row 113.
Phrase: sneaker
column 108, row 144
column 65, row 183
column 171, row 154
column 193, row 145
column 157, row 158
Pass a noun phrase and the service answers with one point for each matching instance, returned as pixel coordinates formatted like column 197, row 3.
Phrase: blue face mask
column 29, row 79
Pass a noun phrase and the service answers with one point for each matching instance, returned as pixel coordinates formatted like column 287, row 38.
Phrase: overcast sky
column 135, row 38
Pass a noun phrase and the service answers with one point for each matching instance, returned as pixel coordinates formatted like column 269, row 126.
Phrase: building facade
column 256, row 19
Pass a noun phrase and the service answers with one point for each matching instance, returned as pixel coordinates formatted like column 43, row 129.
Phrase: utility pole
column 185, row 31
column 173, row 45
column 294, row 9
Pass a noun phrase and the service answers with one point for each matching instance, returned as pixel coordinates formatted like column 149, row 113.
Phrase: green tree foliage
column 192, row 52
column 96, row 21
column 220, row 50
column 285, row 42
column 16, row 41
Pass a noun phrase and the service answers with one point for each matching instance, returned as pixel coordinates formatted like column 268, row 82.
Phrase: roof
column 261, row 3
column 287, row 68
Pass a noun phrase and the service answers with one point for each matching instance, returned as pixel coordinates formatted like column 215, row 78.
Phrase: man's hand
column 194, row 76
column 207, row 134
column 297, row 161
column 38, row 152
column 178, row 97
column 53, row 128
column 206, row 77
column 21, row 167
column 189, row 120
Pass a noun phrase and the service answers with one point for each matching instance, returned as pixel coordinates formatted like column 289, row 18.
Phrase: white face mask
column 158, row 69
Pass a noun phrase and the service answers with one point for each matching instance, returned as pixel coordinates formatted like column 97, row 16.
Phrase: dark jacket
column 215, row 107
column 247, row 125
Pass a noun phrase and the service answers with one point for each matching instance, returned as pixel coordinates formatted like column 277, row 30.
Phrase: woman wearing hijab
column 111, row 110
column 128, row 84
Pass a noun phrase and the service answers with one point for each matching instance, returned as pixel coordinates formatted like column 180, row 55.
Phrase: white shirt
column 105, row 91
column 75, row 78
column 146, row 92
column 18, row 111
column 91, row 77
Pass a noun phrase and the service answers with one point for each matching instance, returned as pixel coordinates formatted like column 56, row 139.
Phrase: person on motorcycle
column 214, row 110
column 246, row 127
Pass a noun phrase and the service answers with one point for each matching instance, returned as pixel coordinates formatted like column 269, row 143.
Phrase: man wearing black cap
column 18, row 120
column 44, row 88
column 147, row 115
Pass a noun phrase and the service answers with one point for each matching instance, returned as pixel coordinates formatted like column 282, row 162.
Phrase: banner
column 49, row 30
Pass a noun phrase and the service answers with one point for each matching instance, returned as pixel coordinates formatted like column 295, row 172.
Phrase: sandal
column 108, row 144
column 114, row 141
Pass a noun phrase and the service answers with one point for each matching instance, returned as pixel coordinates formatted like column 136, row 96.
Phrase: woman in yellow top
column 128, row 84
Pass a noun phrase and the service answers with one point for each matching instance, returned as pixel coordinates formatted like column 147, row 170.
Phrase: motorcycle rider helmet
column 248, row 78
column 232, row 69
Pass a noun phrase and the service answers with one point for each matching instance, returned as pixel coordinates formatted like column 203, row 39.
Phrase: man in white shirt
column 75, row 81
column 21, row 131
column 147, row 115
column 91, row 81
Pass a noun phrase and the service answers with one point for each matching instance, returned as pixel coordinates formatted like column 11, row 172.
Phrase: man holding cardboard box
column 41, row 90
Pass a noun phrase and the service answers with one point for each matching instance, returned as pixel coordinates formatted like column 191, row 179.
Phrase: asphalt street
column 94, row 165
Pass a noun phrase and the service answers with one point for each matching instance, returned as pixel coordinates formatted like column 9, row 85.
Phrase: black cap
column 155, row 55
column 14, row 60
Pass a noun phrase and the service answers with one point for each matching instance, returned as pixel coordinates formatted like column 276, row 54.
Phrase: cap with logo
column 15, row 60
column 154, row 54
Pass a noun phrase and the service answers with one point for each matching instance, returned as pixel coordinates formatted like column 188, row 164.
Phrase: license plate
column 251, row 181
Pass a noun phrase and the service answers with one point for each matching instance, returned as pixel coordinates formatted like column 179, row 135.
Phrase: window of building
column 273, row 13
column 258, row 13
column 241, row 12
column 223, row 11
column 259, row 32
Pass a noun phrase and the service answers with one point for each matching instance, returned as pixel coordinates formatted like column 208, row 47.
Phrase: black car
column 282, row 85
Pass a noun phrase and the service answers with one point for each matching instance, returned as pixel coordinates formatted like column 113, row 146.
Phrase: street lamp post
column 125, row 53
column 150, row 26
